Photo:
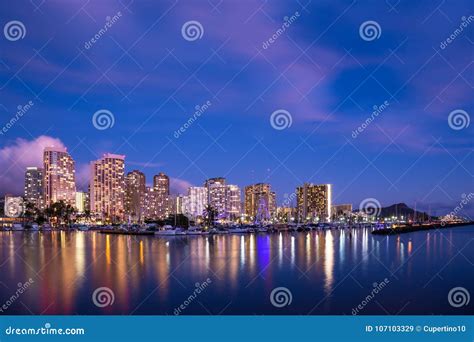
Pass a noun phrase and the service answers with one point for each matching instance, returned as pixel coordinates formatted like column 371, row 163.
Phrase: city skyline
column 150, row 189
column 241, row 159
column 369, row 115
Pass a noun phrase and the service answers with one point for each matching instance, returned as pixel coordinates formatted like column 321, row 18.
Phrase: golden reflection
column 107, row 249
column 328, row 261
column 142, row 255
column 242, row 251
column 80, row 254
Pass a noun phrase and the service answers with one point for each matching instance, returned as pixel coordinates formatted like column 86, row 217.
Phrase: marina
column 327, row 271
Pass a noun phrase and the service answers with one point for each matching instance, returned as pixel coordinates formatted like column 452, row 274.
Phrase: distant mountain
column 401, row 209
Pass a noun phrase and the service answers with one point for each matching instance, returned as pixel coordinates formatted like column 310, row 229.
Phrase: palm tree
column 210, row 214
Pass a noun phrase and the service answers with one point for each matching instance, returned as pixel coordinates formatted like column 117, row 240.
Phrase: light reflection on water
column 151, row 275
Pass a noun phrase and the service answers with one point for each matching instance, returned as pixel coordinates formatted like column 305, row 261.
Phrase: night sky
column 320, row 70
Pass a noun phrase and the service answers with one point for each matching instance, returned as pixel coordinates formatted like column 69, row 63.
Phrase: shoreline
column 410, row 229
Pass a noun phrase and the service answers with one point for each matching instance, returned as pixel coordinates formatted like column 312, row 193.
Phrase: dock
column 417, row 228
column 118, row 232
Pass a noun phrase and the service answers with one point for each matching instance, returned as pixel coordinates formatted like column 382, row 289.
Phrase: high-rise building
column 107, row 187
column 81, row 201
column 196, row 201
column 217, row 195
column 34, row 186
column 233, row 202
column 135, row 193
column 150, row 204
column 161, row 185
column 59, row 180
column 341, row 210
column 177, row 206
column 260, row 202
column 313, row 202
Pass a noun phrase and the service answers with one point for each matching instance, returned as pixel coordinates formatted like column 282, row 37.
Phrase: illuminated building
column 107, row 187
column 341, row 210
column 34, row 186
column 59, row 180
column 313, row 202
column 135, row 192
column 195, row 202
column 233, row 203
column 178, row 205
column 260, row 202
column 217, row 195
column 161, row 185
column 285, row 214
column 81, row 201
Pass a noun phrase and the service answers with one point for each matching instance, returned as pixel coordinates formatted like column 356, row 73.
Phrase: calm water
column 328, row 272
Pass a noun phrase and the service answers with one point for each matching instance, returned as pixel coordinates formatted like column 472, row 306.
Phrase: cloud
column 83, row 172
column 16, row 157
column 179, row 186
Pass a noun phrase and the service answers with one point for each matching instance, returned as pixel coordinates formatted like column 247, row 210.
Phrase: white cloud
column 179, row 186
column 16, row 157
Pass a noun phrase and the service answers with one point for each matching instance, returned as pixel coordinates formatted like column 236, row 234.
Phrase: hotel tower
column 107, row 187
column 59, row 180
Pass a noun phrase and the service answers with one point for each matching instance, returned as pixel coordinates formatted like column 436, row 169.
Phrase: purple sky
column 320, row 70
